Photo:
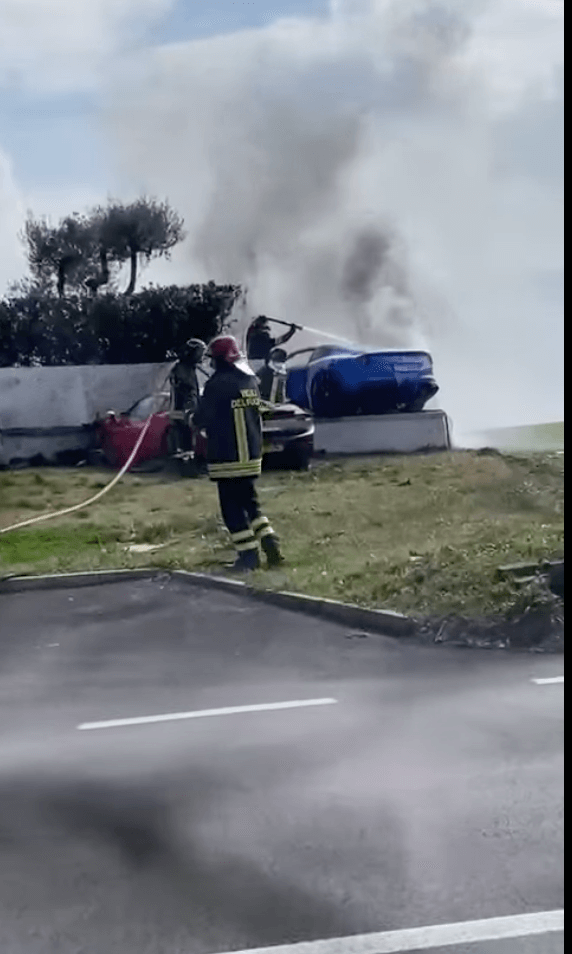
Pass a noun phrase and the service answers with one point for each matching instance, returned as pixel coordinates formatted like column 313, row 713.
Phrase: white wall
column 384, row 433
column 36, row 399
column 72, row 396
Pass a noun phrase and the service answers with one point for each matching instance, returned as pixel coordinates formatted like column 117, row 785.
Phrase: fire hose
column 97, row 496
column 313, row 331
column 140, row 439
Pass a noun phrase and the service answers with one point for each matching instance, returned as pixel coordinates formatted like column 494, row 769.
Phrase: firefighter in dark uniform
column 185, row 387
column 259, row 341
column 272, row 377
column 230, row 413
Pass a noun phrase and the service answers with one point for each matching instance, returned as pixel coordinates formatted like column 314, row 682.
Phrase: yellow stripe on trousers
column 261, row 527
column 247, row 545
column 242, row 535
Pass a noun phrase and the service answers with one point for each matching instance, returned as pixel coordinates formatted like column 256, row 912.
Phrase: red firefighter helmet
column 225, row 348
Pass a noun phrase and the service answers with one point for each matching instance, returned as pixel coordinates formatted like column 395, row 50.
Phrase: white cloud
column 63, row 45
column 14, row 204
column 519, row 44
column 52, row 47
column 56, row 203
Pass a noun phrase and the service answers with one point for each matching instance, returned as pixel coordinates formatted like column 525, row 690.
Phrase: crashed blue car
column 335, row 381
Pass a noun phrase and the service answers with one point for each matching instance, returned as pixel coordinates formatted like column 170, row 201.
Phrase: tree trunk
column 104, row 266
column 62, row 264
column 95, row 283
column 133, row 278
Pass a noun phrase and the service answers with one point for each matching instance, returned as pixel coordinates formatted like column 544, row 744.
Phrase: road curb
column 21, row 584
column 526, row 570
column 348, row 614
column 551, row 571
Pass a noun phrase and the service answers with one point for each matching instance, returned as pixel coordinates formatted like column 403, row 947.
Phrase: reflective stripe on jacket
column 272, row 386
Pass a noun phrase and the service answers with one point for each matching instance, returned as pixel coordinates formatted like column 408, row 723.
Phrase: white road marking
column 422, row 939
column 552, row 681
column 205, row 713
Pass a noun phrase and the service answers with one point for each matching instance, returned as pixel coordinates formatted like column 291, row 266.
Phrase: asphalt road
column 429, row 791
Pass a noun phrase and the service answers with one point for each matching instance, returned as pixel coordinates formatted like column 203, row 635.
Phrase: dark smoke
column 372, row 271
column 364, row 265
column 282, row 175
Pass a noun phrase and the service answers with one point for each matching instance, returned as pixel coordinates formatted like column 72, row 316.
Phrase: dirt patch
column 537, row 629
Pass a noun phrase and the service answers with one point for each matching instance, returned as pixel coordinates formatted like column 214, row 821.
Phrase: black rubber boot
column 202, row 468
column 271, row 546
column 246, row 562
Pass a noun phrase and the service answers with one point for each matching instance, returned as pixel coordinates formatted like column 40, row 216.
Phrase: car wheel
column 418, row 404
column 328, row 399
column 298, row 458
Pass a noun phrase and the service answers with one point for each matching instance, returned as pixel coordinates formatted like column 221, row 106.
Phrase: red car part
column 118, row 436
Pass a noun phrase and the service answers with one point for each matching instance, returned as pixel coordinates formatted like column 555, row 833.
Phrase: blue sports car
column 336, row 381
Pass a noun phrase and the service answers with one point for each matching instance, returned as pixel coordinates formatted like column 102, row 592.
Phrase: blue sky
column 53, row 139
column 193, row 18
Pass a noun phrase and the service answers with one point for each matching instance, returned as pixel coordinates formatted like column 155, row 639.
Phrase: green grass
column 421, row 534
column 531, row 437
column 42, row 544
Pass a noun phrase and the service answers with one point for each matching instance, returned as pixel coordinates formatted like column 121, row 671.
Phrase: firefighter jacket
column 230, row 412
column 185, row 386
column 259, row 344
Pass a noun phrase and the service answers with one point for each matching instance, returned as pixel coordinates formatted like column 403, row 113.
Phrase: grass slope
column 528, row 438
column 420, row 534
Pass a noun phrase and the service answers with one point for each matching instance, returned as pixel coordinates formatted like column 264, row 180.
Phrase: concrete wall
column 45, row 410
column 386, row 433
column 16, row 448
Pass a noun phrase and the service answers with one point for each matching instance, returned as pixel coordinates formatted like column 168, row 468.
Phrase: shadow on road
column 66, row 837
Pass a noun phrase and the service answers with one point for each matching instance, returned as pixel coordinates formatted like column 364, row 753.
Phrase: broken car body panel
column 287, row 430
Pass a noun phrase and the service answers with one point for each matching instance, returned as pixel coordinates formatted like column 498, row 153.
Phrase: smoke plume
column 391, row 172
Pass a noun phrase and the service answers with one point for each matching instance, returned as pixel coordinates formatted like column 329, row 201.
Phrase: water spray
column 313, row 331
column 339, row 339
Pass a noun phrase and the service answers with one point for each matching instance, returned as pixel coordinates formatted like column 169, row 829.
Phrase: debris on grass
column 534, row 622
column 145, row 547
